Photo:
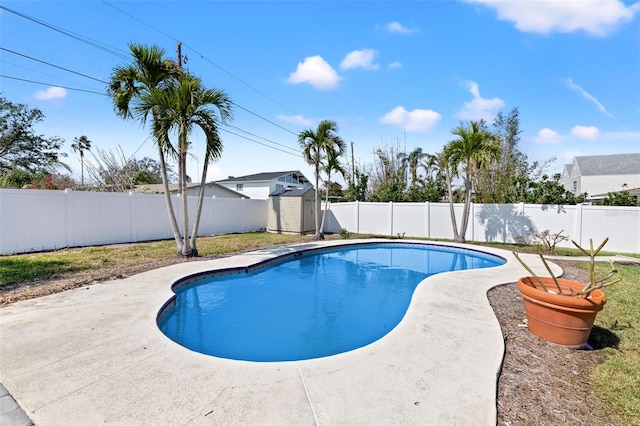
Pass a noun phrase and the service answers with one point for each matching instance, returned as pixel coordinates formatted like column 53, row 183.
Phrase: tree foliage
column 80, row 145
column 471, row 152
column 551, row 191
column 177, row 102
column 317, row 146
column 21, row 147
column 358, row 187
column 621, row 198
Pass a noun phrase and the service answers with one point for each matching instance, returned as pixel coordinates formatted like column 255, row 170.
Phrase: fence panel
column 410, row 219
column 375, row 218
column 150, row 217
column 32, row 220
column 620, row 224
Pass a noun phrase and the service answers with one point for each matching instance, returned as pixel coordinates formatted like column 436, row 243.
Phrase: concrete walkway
column 95, row 355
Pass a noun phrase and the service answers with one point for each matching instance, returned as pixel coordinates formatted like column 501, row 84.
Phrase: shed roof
column 613, row 164
column 290, row 192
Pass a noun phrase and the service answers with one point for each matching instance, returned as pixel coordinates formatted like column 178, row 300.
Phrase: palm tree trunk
column 317, row 235
column 326, row 203
column 167, row 199
column 182, row 181
column 466, row 210
column 196, row 221
column 447, row 174
column 81, row 168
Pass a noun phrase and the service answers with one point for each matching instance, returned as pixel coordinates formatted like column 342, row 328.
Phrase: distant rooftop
column 262, row 176
column 614, row 164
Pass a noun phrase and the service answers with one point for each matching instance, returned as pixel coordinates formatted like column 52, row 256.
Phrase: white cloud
column 418, row 120
column 395, row 65
column 316, row 72
column 51, row 93
column 296, row 119
column 585, row 132
column 398, row 28
column 360, row 59
column 479, row 107
column 597, row 17
column 571, row 85
column 547, row 135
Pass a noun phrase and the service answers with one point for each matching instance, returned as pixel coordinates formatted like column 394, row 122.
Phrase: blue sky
column 387, row 72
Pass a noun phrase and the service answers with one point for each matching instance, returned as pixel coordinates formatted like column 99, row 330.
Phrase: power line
column 265, row 119
column 229, row 73
column 114, row 51
column 40, row 72
column 260, row 143
column 52, row 65
column 201, row 55
column 263, row 138
column 54, row 85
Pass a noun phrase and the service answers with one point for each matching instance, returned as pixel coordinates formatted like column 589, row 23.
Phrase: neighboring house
column 260, row 185
column 600, row 174
column 211, row 189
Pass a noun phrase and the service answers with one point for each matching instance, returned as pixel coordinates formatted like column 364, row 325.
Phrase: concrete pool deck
column 94, row 355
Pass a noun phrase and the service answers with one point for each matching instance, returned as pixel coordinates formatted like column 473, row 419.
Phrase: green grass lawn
column 40, row 266
column 616, row 381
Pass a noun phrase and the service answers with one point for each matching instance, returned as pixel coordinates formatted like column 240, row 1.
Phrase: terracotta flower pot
column 564, row 320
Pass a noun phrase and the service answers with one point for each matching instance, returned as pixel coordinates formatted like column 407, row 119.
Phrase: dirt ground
column 540, row 383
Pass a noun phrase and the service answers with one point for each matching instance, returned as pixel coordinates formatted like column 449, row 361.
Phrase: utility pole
column 179, row 55
column 353, row 168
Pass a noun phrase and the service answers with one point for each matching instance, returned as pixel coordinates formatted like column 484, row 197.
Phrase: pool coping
column 95, row 355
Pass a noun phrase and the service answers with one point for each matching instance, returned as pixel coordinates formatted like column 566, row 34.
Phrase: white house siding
column 594, row 185
column 253, row 190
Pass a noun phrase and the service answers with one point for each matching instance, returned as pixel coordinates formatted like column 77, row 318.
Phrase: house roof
column 290, row 192
column 173, row 188
column 261, row 177
column 614, row 164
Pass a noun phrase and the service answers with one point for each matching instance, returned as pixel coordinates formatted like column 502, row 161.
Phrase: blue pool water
column 313, row 305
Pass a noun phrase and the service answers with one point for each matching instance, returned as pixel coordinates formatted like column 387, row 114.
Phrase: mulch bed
column 542, row 383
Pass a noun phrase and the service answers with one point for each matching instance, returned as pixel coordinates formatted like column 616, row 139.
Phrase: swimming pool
column 310, row 304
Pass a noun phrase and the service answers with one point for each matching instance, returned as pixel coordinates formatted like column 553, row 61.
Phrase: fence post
column 391, row 218
column 427, row 217
column 578, row 224
column 133, row 226
column 472, row 215
column 69, row 222
column 357, row 215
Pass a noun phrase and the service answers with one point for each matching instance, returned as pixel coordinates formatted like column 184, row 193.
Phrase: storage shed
column 291, row 211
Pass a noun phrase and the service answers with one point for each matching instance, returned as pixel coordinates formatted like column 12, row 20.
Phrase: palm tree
column 315, row 144
column 184, row 106
column 412, row 161
column 128, row 84
column 330, row 165
column 470, row 152
column 81, row 145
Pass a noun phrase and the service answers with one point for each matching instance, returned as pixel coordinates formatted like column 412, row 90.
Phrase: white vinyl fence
column 33, row 220
column 492, row 222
